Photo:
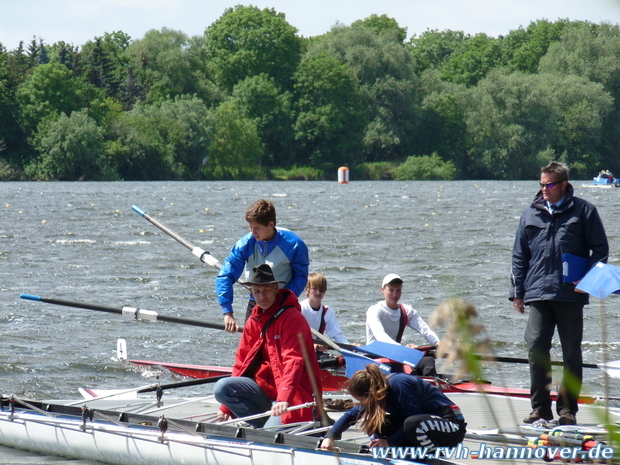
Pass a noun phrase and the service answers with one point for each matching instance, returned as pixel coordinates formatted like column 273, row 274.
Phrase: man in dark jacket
column 555, row 223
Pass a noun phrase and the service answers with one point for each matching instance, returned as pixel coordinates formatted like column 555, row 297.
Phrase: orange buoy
column 343, row 175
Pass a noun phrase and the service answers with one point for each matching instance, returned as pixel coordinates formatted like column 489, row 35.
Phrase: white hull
column 134, row 444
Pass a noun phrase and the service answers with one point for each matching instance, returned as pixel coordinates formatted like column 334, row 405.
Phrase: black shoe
column 567, row 418
column 538, row 414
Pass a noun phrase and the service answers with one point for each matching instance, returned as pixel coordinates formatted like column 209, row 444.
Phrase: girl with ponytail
column 400, row 410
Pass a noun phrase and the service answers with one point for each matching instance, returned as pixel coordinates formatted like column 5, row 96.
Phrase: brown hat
column 261, row 274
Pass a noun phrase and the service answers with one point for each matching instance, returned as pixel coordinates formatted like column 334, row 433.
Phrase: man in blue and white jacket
column 284, row 251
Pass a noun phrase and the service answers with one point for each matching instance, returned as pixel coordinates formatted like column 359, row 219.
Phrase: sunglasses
column 549, row 185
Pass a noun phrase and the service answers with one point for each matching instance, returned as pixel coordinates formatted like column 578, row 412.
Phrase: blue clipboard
column 574, row 267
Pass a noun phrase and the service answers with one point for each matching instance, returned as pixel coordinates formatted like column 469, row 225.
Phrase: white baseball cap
column 391, row 278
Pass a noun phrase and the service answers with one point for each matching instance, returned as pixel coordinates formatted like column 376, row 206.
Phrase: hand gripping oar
column 135, row 313
column 267, row 413
column 202, row 255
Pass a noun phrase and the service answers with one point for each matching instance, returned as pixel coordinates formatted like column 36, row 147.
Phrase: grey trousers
column 545, row 316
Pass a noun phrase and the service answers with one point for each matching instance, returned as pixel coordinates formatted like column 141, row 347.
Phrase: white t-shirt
column 332, row 328
column 382, row 324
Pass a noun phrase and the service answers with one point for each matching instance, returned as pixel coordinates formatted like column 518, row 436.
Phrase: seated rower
column 399, row 410
column 319, row 316
column 269, row 371
column 386, row 322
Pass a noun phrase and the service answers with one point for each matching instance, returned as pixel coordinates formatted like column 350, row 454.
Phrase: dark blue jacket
column 542, row 238
column 407, row 395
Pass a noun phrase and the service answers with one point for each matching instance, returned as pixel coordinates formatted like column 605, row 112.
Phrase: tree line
column 252, row 99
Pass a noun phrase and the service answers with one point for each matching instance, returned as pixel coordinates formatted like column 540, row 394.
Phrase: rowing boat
column 335, row 380
column 122, row 437
column 121, row 430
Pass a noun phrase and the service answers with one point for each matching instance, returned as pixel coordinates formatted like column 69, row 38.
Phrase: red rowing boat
column 331, row 380
column 335, row 380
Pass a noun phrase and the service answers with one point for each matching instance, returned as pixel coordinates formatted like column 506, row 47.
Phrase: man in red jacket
column 269, row 371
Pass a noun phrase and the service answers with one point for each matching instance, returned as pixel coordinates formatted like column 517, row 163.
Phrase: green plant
column 425, row 168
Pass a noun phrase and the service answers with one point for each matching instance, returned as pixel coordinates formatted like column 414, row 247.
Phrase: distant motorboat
column 605, row 180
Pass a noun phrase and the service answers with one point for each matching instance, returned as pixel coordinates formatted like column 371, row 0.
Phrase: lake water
column 82, row 241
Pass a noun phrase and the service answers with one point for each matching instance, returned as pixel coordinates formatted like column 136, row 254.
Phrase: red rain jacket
column 275, row 360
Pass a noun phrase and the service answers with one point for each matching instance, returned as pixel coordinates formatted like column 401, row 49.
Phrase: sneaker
column 539, row 414
column 567, row 418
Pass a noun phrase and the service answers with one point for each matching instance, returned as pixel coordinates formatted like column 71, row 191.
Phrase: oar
column 267, row 413
column 395, row 352
column 353, row 361
column 154, row 387
column 202, row 255
column 611, row 368
column 136, row 313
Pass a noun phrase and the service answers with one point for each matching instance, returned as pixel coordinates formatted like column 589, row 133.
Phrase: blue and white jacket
column 286, row 254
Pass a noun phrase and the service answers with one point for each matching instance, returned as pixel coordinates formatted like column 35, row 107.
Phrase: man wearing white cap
column 386, row 320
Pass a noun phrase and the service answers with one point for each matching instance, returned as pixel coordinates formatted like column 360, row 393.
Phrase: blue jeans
column 243, row 397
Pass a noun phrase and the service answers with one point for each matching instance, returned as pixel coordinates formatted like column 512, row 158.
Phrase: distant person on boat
column 399, row 410
column 386, row 322
column 556, row 222
column 319, row 316
column 269, row 371
column 280, row 248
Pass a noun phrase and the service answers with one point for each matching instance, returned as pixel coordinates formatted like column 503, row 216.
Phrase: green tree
column 424, row 168
column 593, row 52
column 247, row 41
column 525, row 47
column 236, row 149
column 329, row 120
column 102, row 62
column 18, row 64
column 509, row 121
column 515, row 122
column 387, row 83
column 70, row 148
column 167, row 63
column 162, row 141
column 49, row 91
column 269, row 107
column 433, row 48
column 384, row 25
column 13, row 147
column 473, row 61
column 444, row 129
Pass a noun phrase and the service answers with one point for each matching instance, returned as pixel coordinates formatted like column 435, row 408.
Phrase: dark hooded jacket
column 542, row 238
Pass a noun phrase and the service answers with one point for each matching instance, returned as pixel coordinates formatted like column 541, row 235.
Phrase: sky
column 77, row 21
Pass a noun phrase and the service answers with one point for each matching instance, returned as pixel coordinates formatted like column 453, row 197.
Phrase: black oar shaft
column 126, row 311
column 192, row 382
column 491, row 358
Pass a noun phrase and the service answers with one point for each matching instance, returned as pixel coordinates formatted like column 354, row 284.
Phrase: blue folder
column 573, row 267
